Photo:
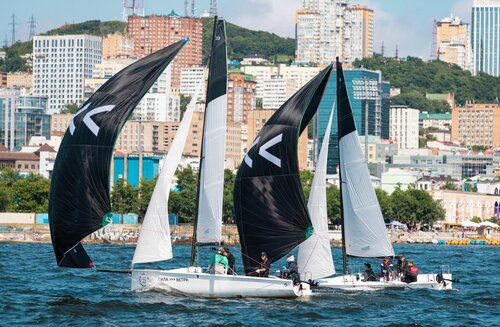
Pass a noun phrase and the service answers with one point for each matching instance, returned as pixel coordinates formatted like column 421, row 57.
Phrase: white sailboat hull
column 193, row 282
column 354, row 283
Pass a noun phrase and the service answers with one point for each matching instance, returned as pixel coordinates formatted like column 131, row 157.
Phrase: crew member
column 231, row 261
column 369, row 274
column 218, row 264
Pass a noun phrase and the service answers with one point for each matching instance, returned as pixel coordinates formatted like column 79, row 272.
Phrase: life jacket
column 414, row 270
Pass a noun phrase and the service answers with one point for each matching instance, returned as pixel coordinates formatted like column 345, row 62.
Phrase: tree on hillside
column 415, row 78
column 145, row 191
column 384, row 200
column 448, row 184
column 70, row 108
column 124, row 197
column 306, row 178
column 183, row 201
column 333, row 204
column 4, row 199
column 31, row 194
column 184, row 102
column 227, row 203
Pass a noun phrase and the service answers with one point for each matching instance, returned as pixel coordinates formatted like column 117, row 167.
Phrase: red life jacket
column 414, row 270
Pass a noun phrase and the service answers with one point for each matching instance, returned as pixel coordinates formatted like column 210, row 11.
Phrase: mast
column 216, row 93
column 342, row 219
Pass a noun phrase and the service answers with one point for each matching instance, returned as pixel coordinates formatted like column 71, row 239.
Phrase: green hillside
column 92, row 27
column 242, row 42
column 416, row 77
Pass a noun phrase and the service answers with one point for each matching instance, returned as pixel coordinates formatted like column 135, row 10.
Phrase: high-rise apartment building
column 158, row 107
column 276, row 90
column 294, row 75
column 241, row 99
column 323, row 32
column 403, row 126
column 361, row 27
column 21, row 117
column 191, row 79
column 369, row 97
column 485, row 37
column 152, row 33
column 476, row 124
column 452, row 42
column 117, row 46
column 61, row 64
column 307, row 34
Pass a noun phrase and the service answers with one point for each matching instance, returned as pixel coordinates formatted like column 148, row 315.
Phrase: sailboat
column 364, row 234
column 270, row 208
column 194, row 280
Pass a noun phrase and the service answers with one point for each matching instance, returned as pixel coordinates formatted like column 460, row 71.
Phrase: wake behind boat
column 364, row 234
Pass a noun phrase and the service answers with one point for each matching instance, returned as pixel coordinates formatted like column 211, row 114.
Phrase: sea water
column 35, row 291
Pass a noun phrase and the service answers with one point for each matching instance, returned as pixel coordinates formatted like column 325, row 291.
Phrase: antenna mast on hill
column 32, row 23
column 13, row 24
column 136, row 7
column 397, row 52
column 192, row 8
column 186, row 4
column 6, row 42
column 382, row 48
column 434, row 50
column 213, row 8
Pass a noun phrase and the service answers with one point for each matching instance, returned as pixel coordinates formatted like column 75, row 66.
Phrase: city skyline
column 407, row 24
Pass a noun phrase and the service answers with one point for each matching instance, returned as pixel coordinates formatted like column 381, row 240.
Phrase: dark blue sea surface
column 35, row 291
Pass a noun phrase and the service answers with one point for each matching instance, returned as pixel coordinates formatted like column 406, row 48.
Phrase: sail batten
column 364, row 231
column 315, row 255
column 79, row 202
column 270, row 209
column 211, row 179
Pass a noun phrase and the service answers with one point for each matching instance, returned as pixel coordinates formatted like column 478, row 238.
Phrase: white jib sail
column 365, row 232
column 154, row 242
column 315, row 255
column 212, row 173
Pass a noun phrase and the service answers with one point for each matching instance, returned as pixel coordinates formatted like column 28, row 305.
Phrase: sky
column 405, row 23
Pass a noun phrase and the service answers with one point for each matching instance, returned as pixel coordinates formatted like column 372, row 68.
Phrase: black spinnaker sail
column 79, row 201
column 270, row 209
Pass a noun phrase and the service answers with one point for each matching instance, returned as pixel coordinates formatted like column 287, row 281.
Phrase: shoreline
column 182, row 235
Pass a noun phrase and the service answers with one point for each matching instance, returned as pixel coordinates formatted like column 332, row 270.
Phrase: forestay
column 79, row 201
column 315, row 255
column 365, row 232
column 154, row 243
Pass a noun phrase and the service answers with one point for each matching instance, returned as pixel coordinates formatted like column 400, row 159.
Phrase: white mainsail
column 154, row 242
column 212, row 173
column 365, row 232
column 315, row 255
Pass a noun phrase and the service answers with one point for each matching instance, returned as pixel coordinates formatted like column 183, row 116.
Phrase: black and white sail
column 211, row 179
column 270, row 209
column 79, row 201
column 364, row 234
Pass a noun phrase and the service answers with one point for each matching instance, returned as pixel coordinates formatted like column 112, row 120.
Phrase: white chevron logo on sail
column 263, row 150
column 88, row 120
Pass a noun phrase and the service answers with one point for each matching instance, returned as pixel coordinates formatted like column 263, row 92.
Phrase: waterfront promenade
column 181, row 234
